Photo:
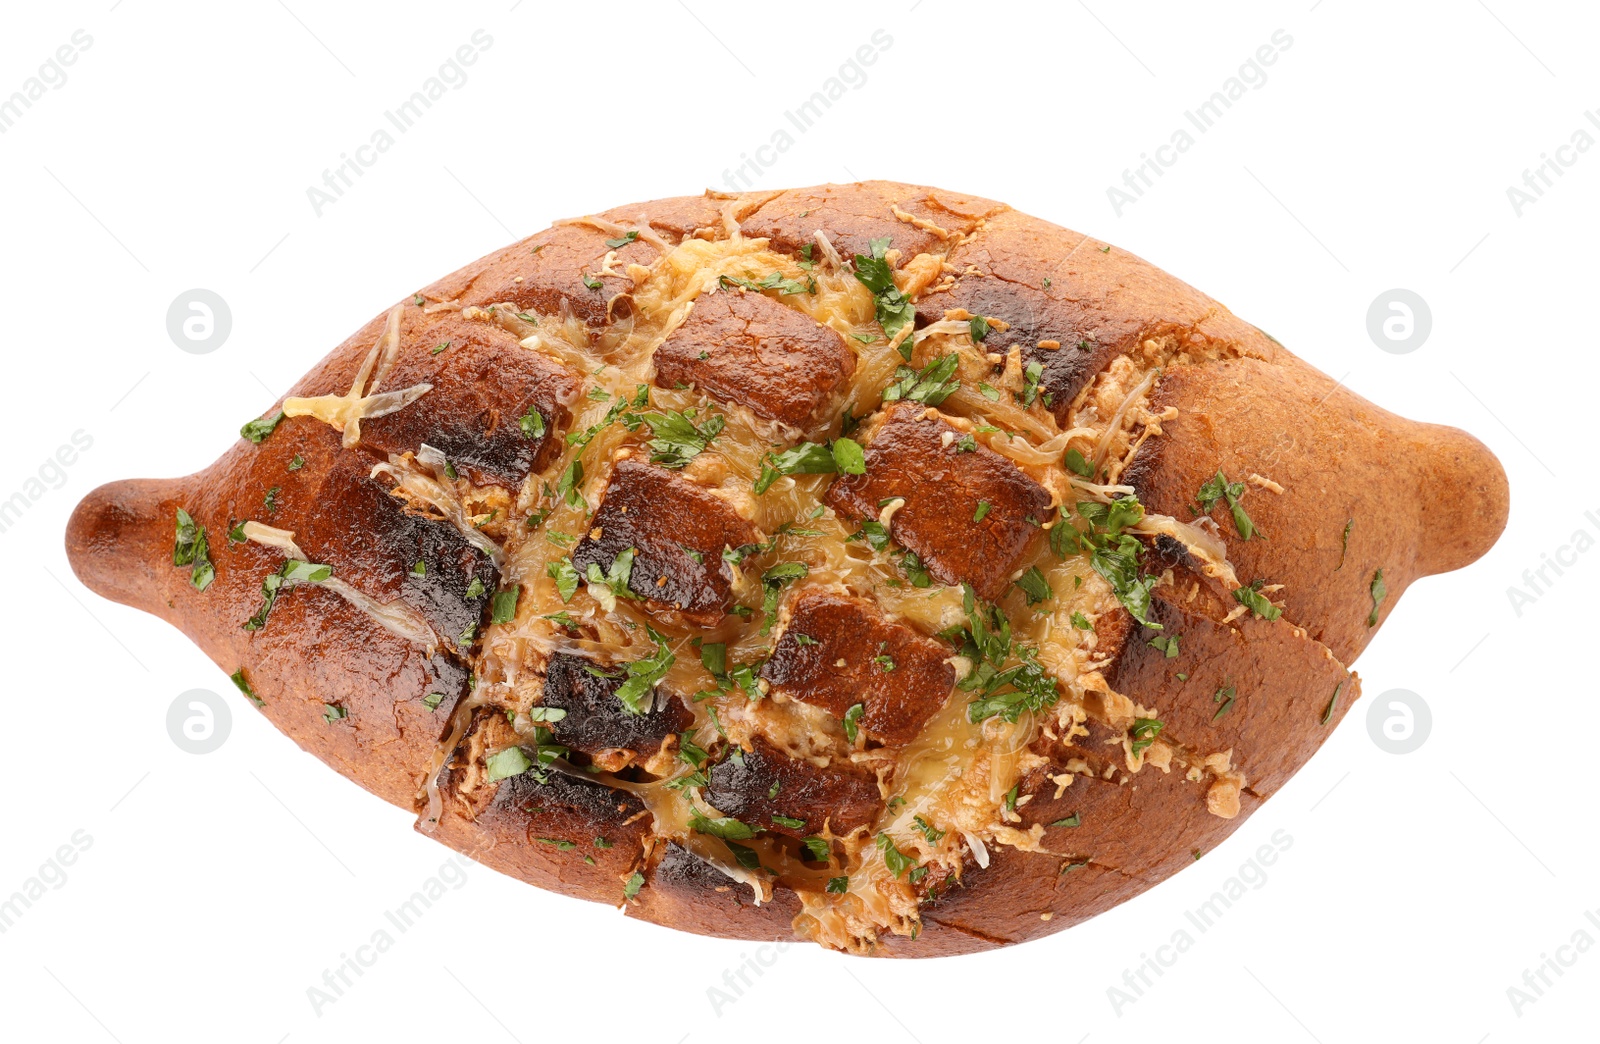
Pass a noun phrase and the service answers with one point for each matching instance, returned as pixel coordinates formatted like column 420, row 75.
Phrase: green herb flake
column 790, row 822
column 243, row 685
column 513, row 761
column 257, row 430
column 1219, row 488
column 1344, row 543
column 893, row 311
column 627, row 237
column 724, row 827
column 1333, row 703
column 851, row 719
column 1144, row 733
column 897, row 861
column 1250, row 597
column 532, row 424
column 838, row 885
column 677, row 439
column 631, row 889
column 931, row 385
column 1380, row 591
column 505, row 605
column 1076, row 819
column 1226, row 697
column 566, row 577
column 1079, row 465
column 1034, row 587
column 848, row 457
column 637, row 692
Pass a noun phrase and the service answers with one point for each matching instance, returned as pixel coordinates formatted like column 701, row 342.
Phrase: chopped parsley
column 570, row 484
column 1333, row 703
column 631, row 889
column 505, row 605
column 1076, row 819
column 566, row 577
column 1167, row 644
column 297, row 463
column 724, row 827
column 817, row 850
column 977, row 328
column 1035, row 588
column 677, row 439
column 808, row 458
column 1081, row 622
column 928, row 830
column 982, row 511
column 257, row 430
column 1144, row 733
column 635, row 693
column 775, row 281
column 474, row 589
column 850, row 720
column 1079, row 465
column 1007, row 677
column 532, row 424
column 838, row 885
column 772, row 583
column 1250, row 597
column 1380, row 591
column 243, row 685
column 1219, row 488
column 1344, row 543
column 293, row 571
column 627, row 237
column 931, row 385
column 897, row 862
column 894, row 312
column 513, row 761
column 332, row 712
column 790, row 822
column 607, row 587
column 190, row 548
column 1226, row 697
column 1030, row 384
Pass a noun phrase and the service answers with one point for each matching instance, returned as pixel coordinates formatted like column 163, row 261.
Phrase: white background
column 1376, row 155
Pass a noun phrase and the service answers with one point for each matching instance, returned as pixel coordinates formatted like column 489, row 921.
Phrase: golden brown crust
column 1424, row 499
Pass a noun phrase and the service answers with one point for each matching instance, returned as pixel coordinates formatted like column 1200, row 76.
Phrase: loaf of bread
column 868, row 562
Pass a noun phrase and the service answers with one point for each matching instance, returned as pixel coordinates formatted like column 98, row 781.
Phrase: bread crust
column 1228, row 398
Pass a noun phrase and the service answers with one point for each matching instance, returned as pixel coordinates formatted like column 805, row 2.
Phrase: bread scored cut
column 866, row 562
